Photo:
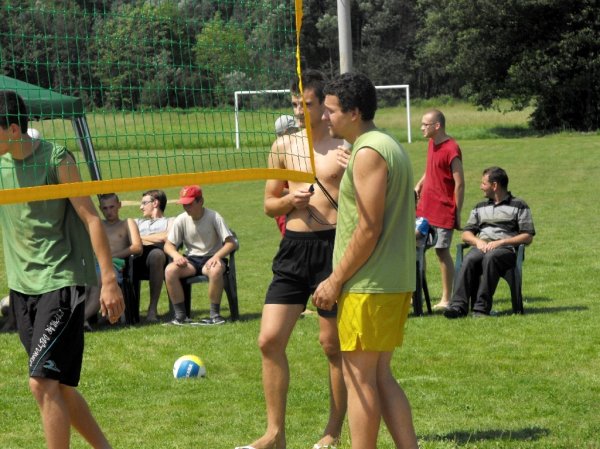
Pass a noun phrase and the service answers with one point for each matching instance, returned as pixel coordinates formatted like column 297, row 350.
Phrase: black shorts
column 199, row 261
column 50, row 327
column 303, row 261
column 140, row 263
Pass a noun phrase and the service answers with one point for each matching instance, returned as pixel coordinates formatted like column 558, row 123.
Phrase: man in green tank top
column 374, row 263
column 48, row 248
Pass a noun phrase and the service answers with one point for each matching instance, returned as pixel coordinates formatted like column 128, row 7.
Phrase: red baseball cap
column 188, row 194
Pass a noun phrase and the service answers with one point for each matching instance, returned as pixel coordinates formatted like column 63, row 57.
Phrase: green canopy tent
column 45, row 104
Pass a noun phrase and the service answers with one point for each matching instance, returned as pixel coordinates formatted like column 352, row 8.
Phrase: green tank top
column 391, row 267
column 46, row 245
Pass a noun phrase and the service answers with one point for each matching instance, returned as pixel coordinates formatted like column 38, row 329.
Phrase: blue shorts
column 199, row 261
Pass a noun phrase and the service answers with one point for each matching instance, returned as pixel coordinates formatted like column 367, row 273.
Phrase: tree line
column 129, row 54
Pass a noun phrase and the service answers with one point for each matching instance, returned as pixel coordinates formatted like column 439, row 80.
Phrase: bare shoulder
column 291, row 152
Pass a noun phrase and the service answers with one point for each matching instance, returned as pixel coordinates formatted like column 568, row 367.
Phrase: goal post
column 238, row 93
column 407, row 96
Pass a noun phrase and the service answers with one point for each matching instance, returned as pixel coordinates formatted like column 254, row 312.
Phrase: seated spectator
column 124, row 240
column 153, row 227
column 208, row 241
column 494, row 229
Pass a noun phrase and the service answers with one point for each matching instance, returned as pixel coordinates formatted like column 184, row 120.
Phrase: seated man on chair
column 495, row 229
column 208, row 241
column 154, row 227
column 123, row 239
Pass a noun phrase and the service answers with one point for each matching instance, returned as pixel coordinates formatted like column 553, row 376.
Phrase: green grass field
column 515, row 382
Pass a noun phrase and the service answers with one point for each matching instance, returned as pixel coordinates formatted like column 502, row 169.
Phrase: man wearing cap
column 285, row 124
column 208, row 241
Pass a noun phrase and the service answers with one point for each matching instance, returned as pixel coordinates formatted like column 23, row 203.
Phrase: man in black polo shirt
column 494, row 229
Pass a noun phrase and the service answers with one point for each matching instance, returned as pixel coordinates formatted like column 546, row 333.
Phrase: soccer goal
column 239, row 93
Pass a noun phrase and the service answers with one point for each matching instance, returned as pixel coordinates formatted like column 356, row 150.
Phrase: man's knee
column 43, row 388
column 331, row 346
column 156, row 259
column 270, row 343
column 330, row 342
column 172, row 272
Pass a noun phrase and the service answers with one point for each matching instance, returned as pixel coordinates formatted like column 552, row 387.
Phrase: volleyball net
column 142, row 93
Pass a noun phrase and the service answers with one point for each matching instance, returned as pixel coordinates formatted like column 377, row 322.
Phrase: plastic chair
column 131, row 296
column 230, row 285
column 514, row 277
column 421, row 289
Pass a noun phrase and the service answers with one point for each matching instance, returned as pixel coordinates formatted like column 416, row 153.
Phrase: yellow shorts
column 372, row 321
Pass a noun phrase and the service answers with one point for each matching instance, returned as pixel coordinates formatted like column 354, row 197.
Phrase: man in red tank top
column 441, row 192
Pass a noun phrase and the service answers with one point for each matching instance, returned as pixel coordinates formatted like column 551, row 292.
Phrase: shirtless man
column 303, row 260
column 124, row 240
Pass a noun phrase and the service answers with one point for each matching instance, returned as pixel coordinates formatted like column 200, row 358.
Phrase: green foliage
column 129, row 54
column 220, row 48
column 545, row 53
column 143, row 55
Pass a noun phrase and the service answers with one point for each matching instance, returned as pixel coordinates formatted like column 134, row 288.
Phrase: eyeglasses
column 147, row 202
column 427, row 124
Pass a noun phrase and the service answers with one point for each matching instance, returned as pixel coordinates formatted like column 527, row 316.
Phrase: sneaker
column 216, row 320
column 454, row 313
column 176, row 322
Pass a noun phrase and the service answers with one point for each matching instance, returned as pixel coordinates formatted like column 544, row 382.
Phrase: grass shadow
column 465, row 437
column 545, row 310
column 250, row 316
column 513, row 132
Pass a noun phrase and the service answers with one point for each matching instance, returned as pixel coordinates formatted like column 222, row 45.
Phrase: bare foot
column 442, row 305
column 327, row 442
column 266, row 442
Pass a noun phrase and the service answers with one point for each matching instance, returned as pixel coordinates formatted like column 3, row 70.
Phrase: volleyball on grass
column 188, row 366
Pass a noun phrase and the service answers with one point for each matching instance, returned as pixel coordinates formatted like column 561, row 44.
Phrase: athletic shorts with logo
column 50, row 327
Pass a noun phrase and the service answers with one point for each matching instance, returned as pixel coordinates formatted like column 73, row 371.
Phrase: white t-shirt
column 149, row 226
column 202, row 237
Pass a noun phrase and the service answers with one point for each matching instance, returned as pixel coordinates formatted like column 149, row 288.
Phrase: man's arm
column 471, row 239
column 228, row 247
column 111, row 298
column 459, row 188
column 277, row 200
column 158, row 238
column 419, row 186
column 135, row 242
column 370, row 178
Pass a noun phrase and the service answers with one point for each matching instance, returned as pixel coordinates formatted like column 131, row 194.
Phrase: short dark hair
column 311, row 79
column 158, row 195
column 108, row 196
column 354, row 91
column 497, row 174
column 12, row 110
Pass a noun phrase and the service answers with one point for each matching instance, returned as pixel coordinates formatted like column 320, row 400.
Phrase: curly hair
column 354, row 91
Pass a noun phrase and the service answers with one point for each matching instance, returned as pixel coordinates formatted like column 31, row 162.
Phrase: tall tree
column 540, row 52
